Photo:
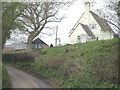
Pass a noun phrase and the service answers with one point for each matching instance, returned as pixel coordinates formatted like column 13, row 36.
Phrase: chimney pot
column 87, row 6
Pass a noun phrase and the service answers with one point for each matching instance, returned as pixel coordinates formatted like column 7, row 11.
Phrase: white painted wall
column 78, row 31
column 83, row 38
column 105, row 35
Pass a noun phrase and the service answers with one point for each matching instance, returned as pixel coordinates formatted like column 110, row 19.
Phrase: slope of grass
column 87, row 65
column 6, row 83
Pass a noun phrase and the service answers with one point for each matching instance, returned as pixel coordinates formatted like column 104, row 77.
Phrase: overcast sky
column 72, row 14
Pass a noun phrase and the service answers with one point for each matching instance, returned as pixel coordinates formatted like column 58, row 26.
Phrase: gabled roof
column 88, row 31
column 39, row 41
column 76, row 24
column 102, row 22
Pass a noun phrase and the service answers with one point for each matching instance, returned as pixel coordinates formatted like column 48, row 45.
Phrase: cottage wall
column 105, row 34
column 78, row 31
column 38, row 45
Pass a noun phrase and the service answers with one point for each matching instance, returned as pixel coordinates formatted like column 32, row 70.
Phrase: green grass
column 6, row 83
column 87, row 65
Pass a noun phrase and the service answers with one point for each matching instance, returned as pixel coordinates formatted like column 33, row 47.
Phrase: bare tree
column 110, row 13
column 38, row 15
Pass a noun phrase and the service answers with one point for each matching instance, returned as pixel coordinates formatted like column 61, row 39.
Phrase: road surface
column 20, row 79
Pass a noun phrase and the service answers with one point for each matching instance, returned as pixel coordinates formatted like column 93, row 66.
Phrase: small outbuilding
column 38, row 43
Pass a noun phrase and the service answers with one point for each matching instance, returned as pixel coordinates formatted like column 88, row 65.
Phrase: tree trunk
column 30, row 39
column 29, row 44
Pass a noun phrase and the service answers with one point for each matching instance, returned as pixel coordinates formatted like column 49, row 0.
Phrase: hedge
column 17, row 57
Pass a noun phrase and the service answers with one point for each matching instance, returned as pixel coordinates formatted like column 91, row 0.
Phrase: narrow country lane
column 21, row 79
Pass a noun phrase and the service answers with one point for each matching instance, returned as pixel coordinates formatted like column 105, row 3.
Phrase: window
column 39, row 46
column 78, row 37
column 89, row 39
column 97, row 38
column 35, row 45
column 93, row 26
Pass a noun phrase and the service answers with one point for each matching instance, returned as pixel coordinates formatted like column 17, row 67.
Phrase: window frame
column 93, row 26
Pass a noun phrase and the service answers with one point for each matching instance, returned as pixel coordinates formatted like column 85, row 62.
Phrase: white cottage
column 90, row 27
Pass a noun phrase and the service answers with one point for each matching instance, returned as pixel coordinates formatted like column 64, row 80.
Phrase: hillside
column 87, row 65
column 6, row 82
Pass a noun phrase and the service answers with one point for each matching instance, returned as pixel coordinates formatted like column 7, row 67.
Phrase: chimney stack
column 87, row 6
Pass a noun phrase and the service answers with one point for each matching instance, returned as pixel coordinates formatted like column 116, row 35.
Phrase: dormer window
column 93, row 26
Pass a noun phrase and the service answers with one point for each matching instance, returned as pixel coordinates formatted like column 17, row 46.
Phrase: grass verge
column 6, row 83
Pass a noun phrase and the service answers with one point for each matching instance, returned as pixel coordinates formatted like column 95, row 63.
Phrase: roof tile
column 88, row 31
column 102, row 22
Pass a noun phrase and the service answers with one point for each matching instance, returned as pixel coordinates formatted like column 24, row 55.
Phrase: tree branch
column 114, row 24
column 25, row 24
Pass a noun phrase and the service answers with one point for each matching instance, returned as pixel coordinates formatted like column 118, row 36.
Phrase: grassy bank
column 6, row 83
column 88, row 65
